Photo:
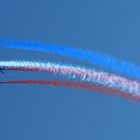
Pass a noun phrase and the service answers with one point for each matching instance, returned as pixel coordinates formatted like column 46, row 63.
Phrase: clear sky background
column 29, row 112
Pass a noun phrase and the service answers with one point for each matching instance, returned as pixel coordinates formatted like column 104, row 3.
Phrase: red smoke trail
column 49, row 70
column 86, row 86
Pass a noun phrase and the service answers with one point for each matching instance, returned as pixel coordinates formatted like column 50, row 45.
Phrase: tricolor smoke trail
column 105, row 61
column 88, row 75
column 85, row 86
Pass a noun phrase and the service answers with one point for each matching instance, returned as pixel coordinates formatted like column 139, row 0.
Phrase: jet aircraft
column 2, row 70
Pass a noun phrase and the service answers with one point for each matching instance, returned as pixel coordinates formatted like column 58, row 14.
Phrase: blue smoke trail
column 105, row 61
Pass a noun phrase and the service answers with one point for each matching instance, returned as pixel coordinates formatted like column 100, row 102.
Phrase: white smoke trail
column 88, row 75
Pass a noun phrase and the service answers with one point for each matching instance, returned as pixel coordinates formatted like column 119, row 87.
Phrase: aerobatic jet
column 2, row 70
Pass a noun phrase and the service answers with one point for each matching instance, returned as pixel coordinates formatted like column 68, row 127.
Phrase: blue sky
column 39, row 112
